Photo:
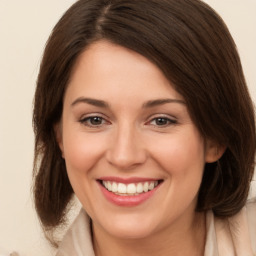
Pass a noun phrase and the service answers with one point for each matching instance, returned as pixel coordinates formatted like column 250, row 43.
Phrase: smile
column 128, row 192
column 131, row 189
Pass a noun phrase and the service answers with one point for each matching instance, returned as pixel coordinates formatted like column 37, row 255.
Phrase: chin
column 129, row 227
column 131, row 232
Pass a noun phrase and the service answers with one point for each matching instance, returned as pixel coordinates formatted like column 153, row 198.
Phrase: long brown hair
column 191, row 44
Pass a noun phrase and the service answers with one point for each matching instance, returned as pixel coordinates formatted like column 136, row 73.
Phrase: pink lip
column 128, row 201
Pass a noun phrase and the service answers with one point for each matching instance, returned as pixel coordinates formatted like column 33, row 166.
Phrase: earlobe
column 58, row 136
column 213, row 151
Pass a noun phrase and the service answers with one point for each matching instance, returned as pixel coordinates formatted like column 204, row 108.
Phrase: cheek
column 81, row 151
column 182, row 159
column 180, row 155
column 82, row 154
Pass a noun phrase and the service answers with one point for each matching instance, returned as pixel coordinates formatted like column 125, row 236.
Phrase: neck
column 185, row 240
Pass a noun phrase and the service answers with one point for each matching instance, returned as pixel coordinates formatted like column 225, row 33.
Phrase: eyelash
column 167, row 121
column 88, row 121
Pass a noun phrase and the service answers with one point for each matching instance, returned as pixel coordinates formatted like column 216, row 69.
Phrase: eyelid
column 87, row 117
column 172, row 120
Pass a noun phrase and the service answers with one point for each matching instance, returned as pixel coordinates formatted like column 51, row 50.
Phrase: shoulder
column 250, row 209
column 251, row 204
column 238, row 233
column 77, row 241
column 232, row 236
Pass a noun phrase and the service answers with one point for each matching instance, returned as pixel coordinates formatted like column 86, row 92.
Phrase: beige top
column 235, row 236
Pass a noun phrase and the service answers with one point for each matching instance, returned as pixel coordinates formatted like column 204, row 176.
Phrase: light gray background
column 24, row 28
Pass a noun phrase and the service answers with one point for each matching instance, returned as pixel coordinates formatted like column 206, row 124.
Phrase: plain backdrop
column 24, row 28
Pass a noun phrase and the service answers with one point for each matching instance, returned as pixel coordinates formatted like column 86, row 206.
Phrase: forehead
column 105, row 68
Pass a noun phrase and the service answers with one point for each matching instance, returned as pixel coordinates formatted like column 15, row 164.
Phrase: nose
column 126, row 150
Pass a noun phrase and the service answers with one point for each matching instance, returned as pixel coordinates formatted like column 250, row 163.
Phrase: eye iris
column 161, row 121
column 96, row 120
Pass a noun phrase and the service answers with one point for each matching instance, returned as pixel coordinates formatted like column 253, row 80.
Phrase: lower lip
column 127, row 201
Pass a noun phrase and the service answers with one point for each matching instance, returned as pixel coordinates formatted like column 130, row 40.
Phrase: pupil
column 96, row 120
column 161, row 121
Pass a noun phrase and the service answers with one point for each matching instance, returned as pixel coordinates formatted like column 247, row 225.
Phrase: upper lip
column 127, row 180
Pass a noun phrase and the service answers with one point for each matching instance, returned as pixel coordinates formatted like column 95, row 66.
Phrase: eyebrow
column 103, row 104
column 157, row 102
column 94, row 102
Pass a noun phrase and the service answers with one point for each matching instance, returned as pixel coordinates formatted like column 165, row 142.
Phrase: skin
column 129, row 137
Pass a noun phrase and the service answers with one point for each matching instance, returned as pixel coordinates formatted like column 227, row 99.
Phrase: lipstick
column 128, row 192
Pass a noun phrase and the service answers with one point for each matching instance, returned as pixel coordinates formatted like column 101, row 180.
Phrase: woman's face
column 134, row 157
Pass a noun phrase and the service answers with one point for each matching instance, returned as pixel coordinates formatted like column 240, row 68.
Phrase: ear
column 58, row 136
column 213, row 151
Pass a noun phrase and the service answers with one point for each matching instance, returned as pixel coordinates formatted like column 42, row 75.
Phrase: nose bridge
column 126, row 149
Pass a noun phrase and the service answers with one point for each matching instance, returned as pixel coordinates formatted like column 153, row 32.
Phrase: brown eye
column 93, row 121
column 162, row 121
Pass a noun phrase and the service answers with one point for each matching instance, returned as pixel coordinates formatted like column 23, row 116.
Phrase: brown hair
column 191, row 44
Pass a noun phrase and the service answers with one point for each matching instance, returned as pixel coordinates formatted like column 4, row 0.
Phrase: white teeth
column 139, row 188
column 109, row 186
column 145, row 187
column 121, row 188
column 151, row 185
column 114, row 187
column 129, row 189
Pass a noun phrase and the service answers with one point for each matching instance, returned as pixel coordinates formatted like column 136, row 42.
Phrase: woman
column 142, row 111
